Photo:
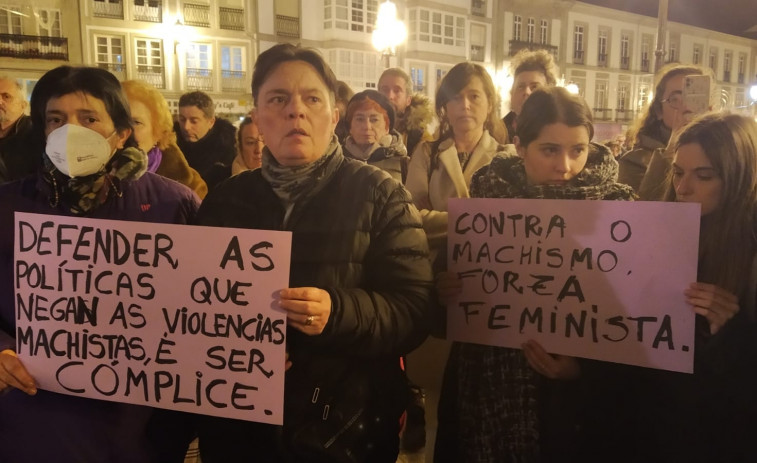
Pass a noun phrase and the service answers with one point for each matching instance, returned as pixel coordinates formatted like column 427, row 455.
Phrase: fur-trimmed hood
column 417, row 116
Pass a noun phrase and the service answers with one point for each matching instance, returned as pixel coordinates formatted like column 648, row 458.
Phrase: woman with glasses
column 652, row 131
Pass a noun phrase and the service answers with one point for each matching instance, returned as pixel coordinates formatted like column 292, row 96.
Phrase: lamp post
column 389, row 31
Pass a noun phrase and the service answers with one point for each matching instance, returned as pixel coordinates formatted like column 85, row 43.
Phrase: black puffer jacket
column 211, row 153
column 361, row 239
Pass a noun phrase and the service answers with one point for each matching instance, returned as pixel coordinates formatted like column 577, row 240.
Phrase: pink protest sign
column 595, row 279
column 169, row 316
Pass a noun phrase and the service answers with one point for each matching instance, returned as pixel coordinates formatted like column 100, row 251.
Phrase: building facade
column 184, row 45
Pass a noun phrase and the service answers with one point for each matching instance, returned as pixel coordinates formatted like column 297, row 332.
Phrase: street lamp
column 389, row 31
column 753, row 93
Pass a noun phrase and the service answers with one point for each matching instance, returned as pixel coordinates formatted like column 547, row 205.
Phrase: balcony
column 150, row 11
column 231, row 19
column 477, row 53
column 625, row 62
column 199, row 79
column 602, row 114
column 196, row 15
column 726, row 76
column 287, row 26
column 578, row 56
column 602, row 60
column 108, row 9
column 518, row 45
column 153, row 75
column 740, row 77
column 117, row 69
column 478, row 8
column 33, row 47
column 624, row 115
column 644, row 65
column 234, row 81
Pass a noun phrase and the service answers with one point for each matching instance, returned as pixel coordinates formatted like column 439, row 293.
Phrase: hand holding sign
column 308, row 309
column 712, row 302
column 14, row 374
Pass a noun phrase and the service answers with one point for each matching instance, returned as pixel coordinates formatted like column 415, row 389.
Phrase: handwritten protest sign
column 595, row 279
column 163, row 315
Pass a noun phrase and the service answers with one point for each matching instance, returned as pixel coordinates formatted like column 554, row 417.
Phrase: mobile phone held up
column 696, row 93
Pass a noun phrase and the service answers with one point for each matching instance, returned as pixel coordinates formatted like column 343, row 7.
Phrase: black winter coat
column 213, row 154
column 361, row 239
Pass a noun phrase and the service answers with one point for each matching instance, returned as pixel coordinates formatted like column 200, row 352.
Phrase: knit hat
column 368, row 96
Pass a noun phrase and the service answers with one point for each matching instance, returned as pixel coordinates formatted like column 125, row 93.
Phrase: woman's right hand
column 448, row 286
column 13, row 374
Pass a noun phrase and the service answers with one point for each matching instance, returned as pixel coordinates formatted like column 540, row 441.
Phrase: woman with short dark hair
column 360, row 277
column 102, row 177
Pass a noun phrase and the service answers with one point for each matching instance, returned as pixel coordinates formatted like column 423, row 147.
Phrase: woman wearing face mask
column 500, row 404
column 91, row 168
column 153, row 131
column 372, row 138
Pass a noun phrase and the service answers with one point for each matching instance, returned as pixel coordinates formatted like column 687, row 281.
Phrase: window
column 530, row 30
column 622, row 97
column 198, row 59
column 353, row 15
column 602, row 48
column 356, row 68
column 477, row 42
column 713, row 61
column 742, row 65
column 517, row 26
column 437, row 27
column 600, row 94
column 578, row 44
column 544, row 32
column 233, row 75
column 697, row 55
column 48, row 22
column 109, row 53
column 625, row 51
column 673, row 53
column 646, row 41
column 418, row 76
column 10, row 20
column 727, row 65
column 440, row 75
column 150, row 62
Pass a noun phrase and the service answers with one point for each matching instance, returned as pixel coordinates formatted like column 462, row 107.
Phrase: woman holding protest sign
column 91, row 168
column 506, row 405
column 711, row 415
column 360, row 277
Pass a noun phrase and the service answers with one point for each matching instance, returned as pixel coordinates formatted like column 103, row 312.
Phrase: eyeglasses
column 675, row 100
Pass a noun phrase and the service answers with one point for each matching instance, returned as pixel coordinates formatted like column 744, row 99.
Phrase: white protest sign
column 170, row 316
column 595, row 279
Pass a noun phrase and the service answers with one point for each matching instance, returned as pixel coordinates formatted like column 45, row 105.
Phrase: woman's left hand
column 308, row 309
column 551, row 366
column 714, row 303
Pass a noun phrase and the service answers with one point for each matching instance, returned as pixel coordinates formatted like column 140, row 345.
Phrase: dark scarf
column 518, row 404
column 506, row 178
column 80, row 195
column 292, row 184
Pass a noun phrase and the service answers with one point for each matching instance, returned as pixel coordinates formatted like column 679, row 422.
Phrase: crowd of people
column 363, row 186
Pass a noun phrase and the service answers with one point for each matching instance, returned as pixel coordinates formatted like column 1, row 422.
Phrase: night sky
column 730, row 16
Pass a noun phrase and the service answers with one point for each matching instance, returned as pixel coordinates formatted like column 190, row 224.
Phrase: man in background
column 208, row 143
column 17, row 158
column 531, row 70
column 414, row 112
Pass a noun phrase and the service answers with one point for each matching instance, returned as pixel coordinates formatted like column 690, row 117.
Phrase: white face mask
column 77, row 151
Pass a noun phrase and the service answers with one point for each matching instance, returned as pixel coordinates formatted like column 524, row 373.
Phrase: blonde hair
column 160, row 115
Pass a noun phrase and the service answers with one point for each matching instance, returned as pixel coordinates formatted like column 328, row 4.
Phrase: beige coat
column 431, row 190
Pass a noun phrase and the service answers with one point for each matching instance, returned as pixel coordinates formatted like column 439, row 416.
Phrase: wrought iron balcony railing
column 518, row 45
column 33, row 47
